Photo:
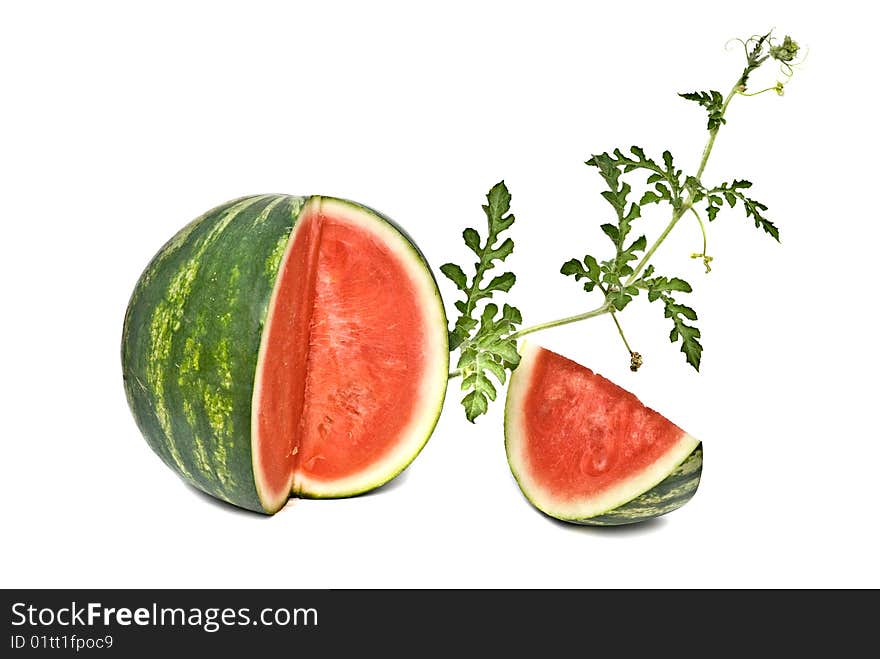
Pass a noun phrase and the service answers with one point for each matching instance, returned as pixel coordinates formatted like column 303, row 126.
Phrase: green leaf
column 638, row 245
column 472, row 240
column 498, row 206
column 611, row 231
column 659, row 288
column 588, row 270
column 501, row 252
column 456, row 274
column 489, row 352
column 690, row 344
column 500, row 283
column 489, row 252
column 733, row 191
column 619, row 300
column 713, row 101
column 611, row 166
column 574, row 267
column 754, row 57
column 650, row 198
column 475, row 404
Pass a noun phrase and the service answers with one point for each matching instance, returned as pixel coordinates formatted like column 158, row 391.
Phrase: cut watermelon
column 284, row 346
column 584, row 450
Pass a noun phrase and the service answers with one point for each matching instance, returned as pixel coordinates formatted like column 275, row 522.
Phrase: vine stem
column 616, row 321
column 677, row 214
column 620, row 331
column 702, row 229
column 598, row 311
column 707, row 150
column 688, row 203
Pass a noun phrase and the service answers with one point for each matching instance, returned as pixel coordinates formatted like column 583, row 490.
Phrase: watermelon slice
column 286, row 346
column 584, row 450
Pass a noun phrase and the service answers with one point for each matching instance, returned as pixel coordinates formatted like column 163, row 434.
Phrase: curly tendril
column 758, row 49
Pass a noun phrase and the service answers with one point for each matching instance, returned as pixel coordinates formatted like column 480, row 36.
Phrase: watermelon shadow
column 391, row 485
column 228, row 507
column 640, row 528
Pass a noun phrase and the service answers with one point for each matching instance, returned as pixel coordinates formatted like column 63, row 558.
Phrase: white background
column 118, row 125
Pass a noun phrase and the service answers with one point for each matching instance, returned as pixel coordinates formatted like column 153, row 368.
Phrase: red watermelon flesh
column 579, row 445
column 348, row 362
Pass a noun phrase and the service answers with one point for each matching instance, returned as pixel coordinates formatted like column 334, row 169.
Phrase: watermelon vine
column 486, row 339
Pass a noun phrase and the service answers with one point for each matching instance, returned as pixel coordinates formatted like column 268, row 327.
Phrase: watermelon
column 584, row 450
column 284, row 346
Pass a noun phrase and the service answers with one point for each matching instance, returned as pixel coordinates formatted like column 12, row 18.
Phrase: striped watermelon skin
column 670, row 494
column 191, row 338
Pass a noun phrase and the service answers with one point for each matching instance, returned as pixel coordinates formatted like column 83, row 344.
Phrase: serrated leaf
column 475, row 404
column 674, row 309
column 472, row 240
column 496, row 369
column 455, row 274
column 468, row 381
column 611, row 231
column 659, row 288
column 650, row 198
column 592, row 266
column 507, row 351
column 713, row 102
column 486, row 319
column 489, row 351
column 463, row 327
column 484, row 385
column 620, row 300
column 501, row 283
column 502, row 252
column 574, row 267
column 489, row 252
column 690, row 344
column 511, row 314
column 498, row 206
column 733, row 191
column 588, row 270
column 676, row 284
column 638, row 245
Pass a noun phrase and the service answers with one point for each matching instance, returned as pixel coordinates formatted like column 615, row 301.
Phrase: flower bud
column 786, row 51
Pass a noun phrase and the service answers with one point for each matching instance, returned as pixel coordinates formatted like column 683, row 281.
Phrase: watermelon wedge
column 584, row 450
column 286, row 346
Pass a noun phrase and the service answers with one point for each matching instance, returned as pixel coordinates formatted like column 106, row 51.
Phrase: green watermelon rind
column 668, row 495
column 669, row 490
column 181, row 371
column 189, row 369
